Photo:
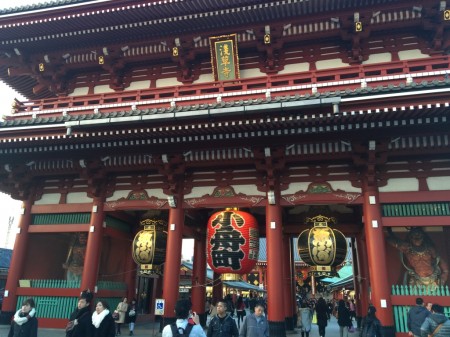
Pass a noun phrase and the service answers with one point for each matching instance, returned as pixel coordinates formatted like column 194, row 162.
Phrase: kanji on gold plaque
column 224, row 57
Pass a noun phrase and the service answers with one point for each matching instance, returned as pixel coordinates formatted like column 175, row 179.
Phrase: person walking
column 182, row 312
column 323, row 315
column 255, row 325
column 222, row 325
column 305, row 316
column 122, row 308
column 24, row 323
column 102, row 320
column 81, row 317
column 416, row 317
column 131, row 316
column 343, row 319
column 437, row 324
column 240, row 310
column 371, row 325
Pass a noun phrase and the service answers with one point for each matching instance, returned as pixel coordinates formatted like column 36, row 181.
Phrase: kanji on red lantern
column 233, row 242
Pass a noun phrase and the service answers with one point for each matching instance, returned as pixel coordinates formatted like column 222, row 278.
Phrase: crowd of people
column 232, row 316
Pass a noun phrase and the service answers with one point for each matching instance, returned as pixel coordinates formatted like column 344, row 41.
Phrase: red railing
column 302, row 83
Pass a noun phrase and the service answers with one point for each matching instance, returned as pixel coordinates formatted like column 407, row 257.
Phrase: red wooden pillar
column 275, row 302
column 287, row 282
column 94, row 246
column 260, row 275
column 18, row 259
column 217, row 292
column 376, row 253
column 362, row 279
column 172, row 264
column 130, row 277
column 199, row 277
column 356, row 284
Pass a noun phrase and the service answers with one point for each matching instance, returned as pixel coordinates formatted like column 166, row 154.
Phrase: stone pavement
column 152, row 329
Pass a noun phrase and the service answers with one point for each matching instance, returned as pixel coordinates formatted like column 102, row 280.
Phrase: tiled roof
column 368, row 91
column 40, row 5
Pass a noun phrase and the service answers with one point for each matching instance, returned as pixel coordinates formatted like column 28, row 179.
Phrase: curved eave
column 153, row 19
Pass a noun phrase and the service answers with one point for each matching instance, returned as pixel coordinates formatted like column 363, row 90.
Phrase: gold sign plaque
column 224, row 57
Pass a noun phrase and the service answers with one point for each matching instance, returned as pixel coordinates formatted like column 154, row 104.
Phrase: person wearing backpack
column 182, row 328
column 222, row 325
column 437, row 324
column 371, row 325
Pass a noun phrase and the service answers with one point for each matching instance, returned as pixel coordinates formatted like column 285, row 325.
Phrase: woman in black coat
column 343, row 318
column 81, row 318
column 104, row 325
column 322, row 316
column 24, row 323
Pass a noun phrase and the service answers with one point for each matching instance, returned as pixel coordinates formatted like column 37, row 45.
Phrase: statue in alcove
column 75, row 257
column 424, row 266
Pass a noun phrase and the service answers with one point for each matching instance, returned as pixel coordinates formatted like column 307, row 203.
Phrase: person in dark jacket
column 222, row 325
column 82, row 317
column 131, row 315
column 416, row 317
column 371, row 325
column 432, row 324
column 24, row 323
column 344, row 320
column 323, row 315
column 255, row 325
column 104, row 325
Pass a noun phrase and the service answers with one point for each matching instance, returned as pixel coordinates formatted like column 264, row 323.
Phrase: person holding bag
column 80, row 323
column 130, row 317
column 305, row 316
column 121, row 309
column 437, row 324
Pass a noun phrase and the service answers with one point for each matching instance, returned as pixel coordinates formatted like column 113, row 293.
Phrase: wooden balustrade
column 301, row 83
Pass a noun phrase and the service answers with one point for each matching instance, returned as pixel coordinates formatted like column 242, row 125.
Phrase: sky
column 9, row 207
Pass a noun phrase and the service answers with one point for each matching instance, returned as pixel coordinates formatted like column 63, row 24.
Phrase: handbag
column 131, row 312
column 115, row 315
column 436, row 330
column 70, row 325
column 351, row 329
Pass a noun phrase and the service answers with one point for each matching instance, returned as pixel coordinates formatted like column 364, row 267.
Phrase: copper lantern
column 149, row 246
column 322, row 247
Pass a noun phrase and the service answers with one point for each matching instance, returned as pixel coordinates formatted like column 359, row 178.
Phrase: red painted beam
column 61, row 208
column 411, row 300
column 58, row 228
column 413, row 221
column 403, row 197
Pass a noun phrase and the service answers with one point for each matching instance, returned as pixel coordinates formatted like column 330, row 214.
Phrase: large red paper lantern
column 233, row 242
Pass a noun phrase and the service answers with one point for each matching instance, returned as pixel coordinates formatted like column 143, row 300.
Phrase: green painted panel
column 117, row 224
column 51, row 306
column 416, row 209
column 61, row 218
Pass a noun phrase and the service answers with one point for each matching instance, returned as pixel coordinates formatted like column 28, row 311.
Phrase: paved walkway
column 152, row 329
